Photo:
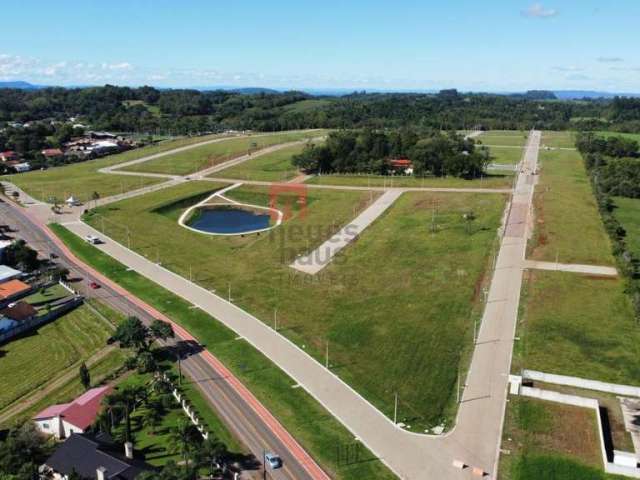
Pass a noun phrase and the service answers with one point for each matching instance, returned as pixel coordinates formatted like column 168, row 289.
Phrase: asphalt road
column 237, row 415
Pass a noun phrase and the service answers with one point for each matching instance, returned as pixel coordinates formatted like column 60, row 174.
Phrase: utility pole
column 395, row 410
column 474, row 330
column 326, row 358
column 458, row 387
column 229, row 292
column 275, row 319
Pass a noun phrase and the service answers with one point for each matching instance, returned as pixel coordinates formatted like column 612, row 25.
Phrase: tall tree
column 85, row 376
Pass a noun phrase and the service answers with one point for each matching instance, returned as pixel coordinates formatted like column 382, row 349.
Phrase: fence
column 188, row 409
column 38, row 321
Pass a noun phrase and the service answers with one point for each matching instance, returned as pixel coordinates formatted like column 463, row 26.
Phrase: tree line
column 432, row 153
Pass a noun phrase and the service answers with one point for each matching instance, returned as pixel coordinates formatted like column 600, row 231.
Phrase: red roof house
column 13, row 289
column 52, row 152
column 8, row 156
column 64, row 419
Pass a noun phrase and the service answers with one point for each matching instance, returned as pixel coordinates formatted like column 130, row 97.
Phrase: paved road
column 247, row 421
column 573, row 268
column 475, row 439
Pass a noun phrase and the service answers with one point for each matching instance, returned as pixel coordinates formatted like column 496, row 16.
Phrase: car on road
column 93, row 240
column 94, row 285
column 273, row 461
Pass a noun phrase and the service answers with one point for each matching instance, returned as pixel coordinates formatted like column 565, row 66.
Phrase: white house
column 22, row 167
column 64, row 419
column 8, row 273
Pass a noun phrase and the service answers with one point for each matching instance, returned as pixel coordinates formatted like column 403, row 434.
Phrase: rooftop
column 82, row 411
column 19, row 311
column 7, row 273
column 12, row 288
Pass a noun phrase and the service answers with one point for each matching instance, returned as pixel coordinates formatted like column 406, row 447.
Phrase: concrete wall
column 626, row 390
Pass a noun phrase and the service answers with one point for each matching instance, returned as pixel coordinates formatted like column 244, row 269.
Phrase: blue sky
column 491, row 45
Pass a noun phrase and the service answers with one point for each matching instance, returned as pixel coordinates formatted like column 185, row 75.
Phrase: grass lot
column 516, row 138
column 632, row 136
column 308, row 105
column 49, row 294
column 507, row 156
column 628, row 214
column 558, row 139
column 568, row 223
column 436, row 278
column 82, row 179
column 32, row 360
column 579, row 326
column 303, row 417
column 550, row 441
column 492, row 180
column 200, row 158
column 272, row 167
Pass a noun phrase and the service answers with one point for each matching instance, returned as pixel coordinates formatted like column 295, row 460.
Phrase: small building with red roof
column 12, row 290
column 52, row 153
column 64, row 419
column 403, row 165
column 9, row 156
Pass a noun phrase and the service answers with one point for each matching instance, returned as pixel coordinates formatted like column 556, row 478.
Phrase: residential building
column 9, row 156
column 12, row 290
column 401, row 165
column 19, row 312
column 7, row 273
column 7, row 324
column 64, row 419
column 94, row 456
column 52, row 153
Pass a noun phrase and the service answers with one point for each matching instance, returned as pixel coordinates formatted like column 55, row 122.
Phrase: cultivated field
column 30, row 361
column 551, row 441
column 376, row 345
column 82, row 179
column 579, row 326
column 568, row 224
column 272, row 167
column 200, row 158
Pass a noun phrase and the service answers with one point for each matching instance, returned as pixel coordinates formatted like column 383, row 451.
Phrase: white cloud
column 537, row 10
column 610, row 59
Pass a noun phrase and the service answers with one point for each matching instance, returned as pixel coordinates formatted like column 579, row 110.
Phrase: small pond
column 229, row 220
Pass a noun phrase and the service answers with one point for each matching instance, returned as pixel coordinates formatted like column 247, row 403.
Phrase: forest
column 147, row 109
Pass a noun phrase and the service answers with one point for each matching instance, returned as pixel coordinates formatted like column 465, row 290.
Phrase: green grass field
column 82, row 179
column 507, row 156
column 568, row 224
column 32, row 360
column 631, row 136
column 317, row 431
column 579, row 326
column 628, row 214
column 272, row 167
column 492, row 180
column 349, row 304
column 558, row 139
column 550, row 441
column 516, row 138
column 200, row 158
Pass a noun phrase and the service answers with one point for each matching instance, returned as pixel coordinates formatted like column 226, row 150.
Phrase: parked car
column 273, row 461
column 94, row 285
column 93, row 240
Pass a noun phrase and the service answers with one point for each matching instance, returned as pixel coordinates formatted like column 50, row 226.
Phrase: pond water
column 229, row 220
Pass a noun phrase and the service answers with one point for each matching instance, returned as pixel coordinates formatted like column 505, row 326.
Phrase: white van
column 92, row 239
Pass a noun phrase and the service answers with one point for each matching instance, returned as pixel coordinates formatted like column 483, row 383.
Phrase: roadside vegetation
column 302, row 416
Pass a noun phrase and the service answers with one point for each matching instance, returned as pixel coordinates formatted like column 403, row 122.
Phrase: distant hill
column 591, row 94
column 20, row 85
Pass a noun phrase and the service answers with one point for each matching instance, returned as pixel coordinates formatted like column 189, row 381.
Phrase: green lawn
column 568, row 224
column 628, row 214
column 49, row 294
column 517, row 138
column 564, row 139
column 631, row 136
column 82, row 179
column 550, row 441
column 350, row 304
column 318, row 432
column 200, row 158
column 492, row 180
column 272, row 167
column 579, row 326
column 507, row 156
column 30, row 361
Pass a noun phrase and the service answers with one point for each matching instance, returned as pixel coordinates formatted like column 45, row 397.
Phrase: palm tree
column 211, row 453
column 125, row 400
column 183, row 438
